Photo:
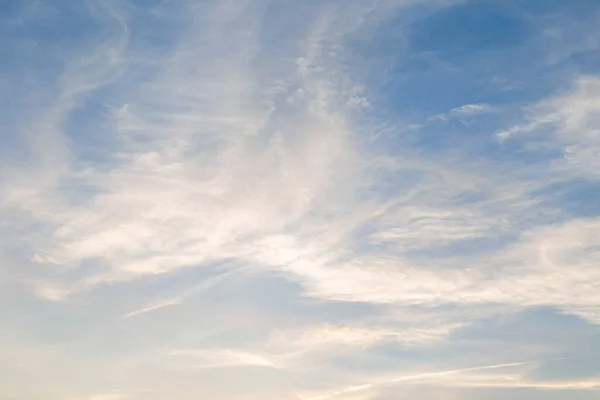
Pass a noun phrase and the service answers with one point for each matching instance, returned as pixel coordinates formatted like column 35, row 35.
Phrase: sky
column 300, row 199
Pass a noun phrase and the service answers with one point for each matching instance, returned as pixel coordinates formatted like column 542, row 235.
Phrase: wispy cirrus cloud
column 227, row 186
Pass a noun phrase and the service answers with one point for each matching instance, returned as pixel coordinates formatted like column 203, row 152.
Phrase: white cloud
column 508, row 375
column 578, row 126
column 553, row 265
column 328, row 335
column 231, row 153
column 466, row 110
column 220, row 358
column 570, row 121
column 429, row 377
column 155, row 305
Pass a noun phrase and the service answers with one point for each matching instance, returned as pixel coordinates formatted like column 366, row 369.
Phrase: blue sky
column 310, row 200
